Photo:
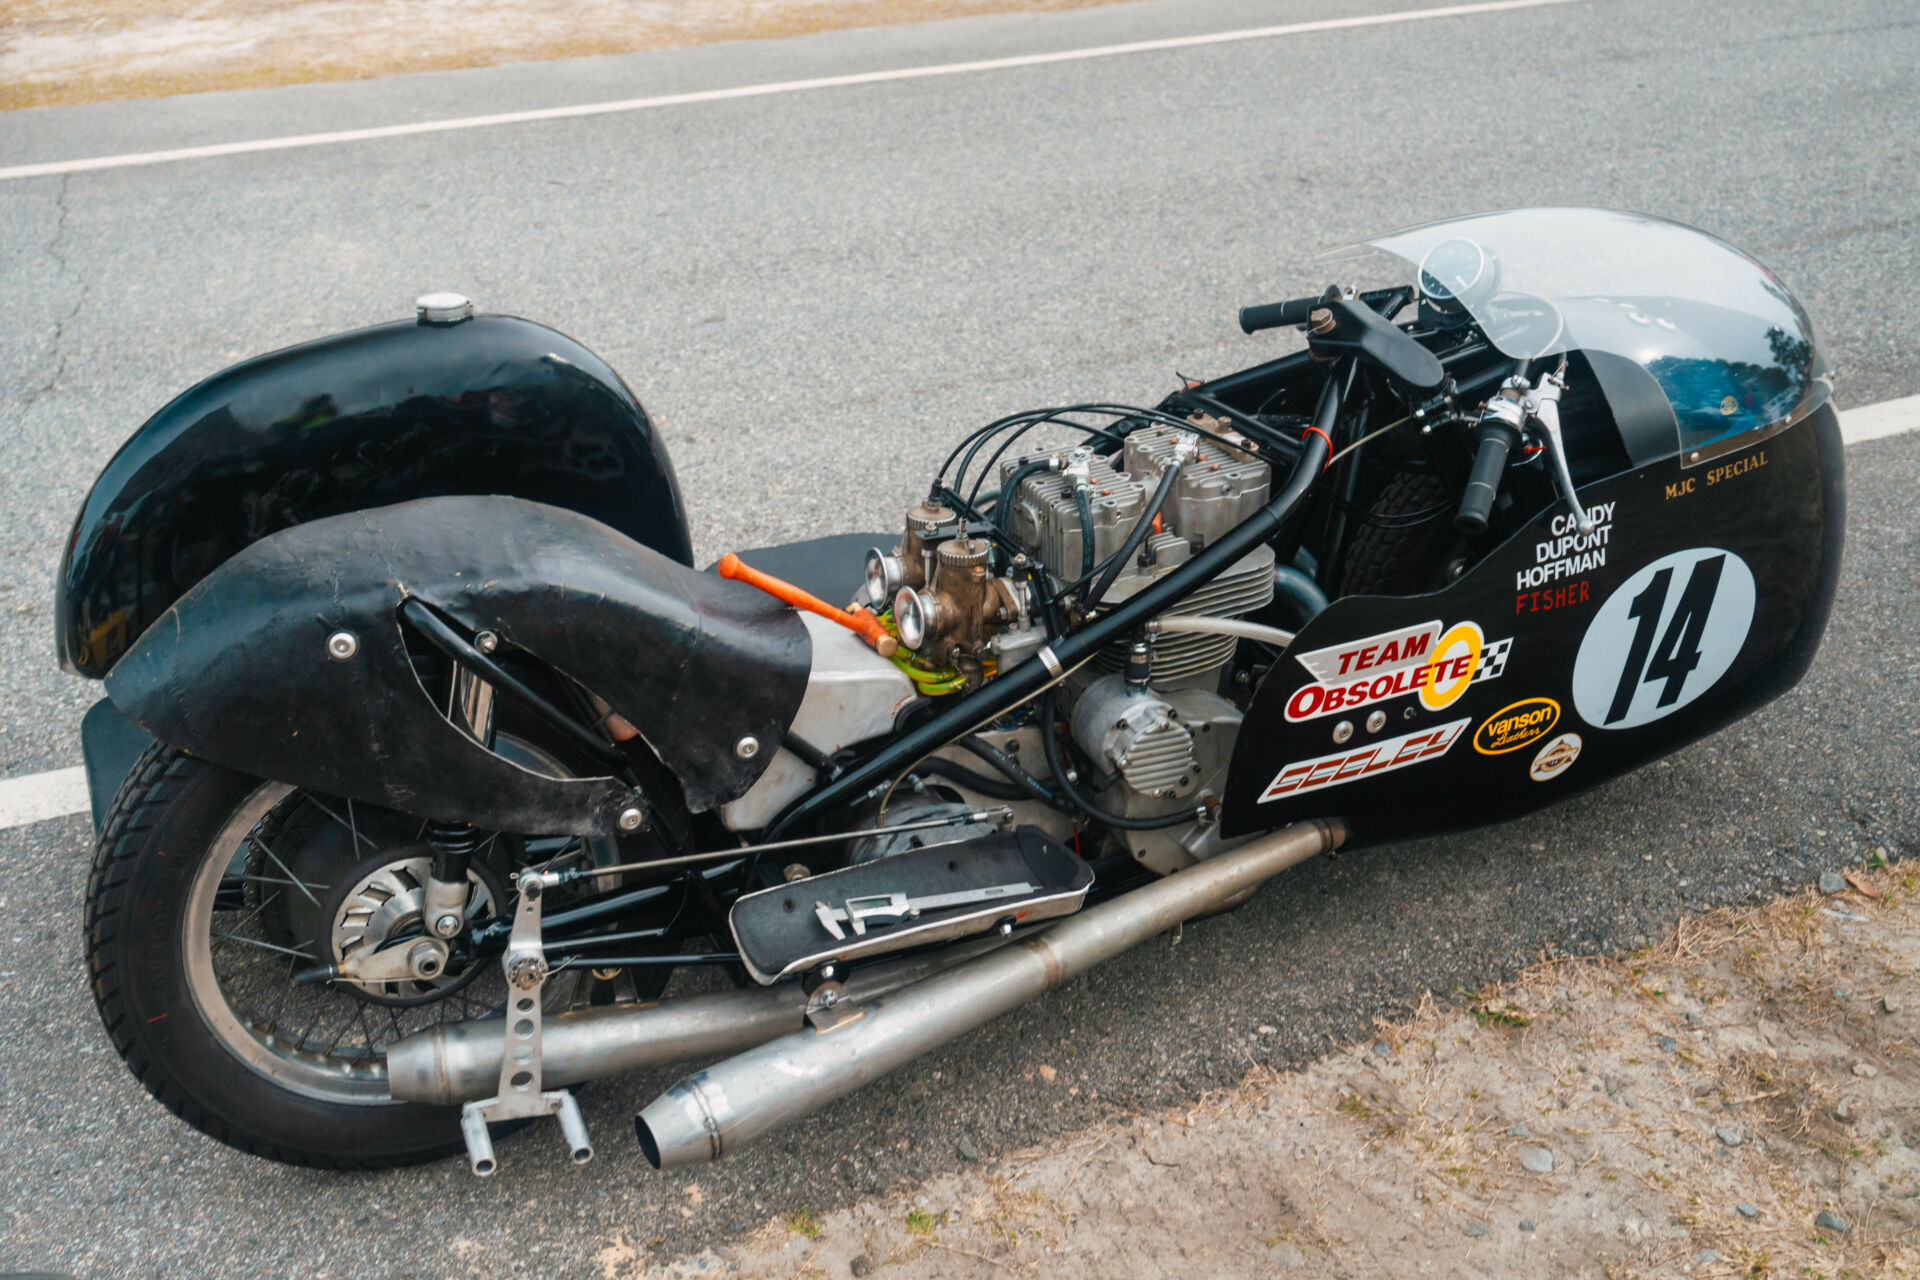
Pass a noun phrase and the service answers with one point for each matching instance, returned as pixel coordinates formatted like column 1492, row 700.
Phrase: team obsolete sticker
column 1664, row 637
column 1437, row 662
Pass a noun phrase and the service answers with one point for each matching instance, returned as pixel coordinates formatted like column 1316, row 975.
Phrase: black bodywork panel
column 829, row 567
column 364, row 419
column 1559, row 661
column 238, row 672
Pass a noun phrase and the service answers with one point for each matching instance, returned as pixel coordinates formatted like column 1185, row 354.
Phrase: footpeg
column 908, row 899
column 519, row 1095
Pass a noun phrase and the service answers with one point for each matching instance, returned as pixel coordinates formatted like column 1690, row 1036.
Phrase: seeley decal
column 1516, row 725
column 1437, row 663
column 1363, row 762
column 1664, row 637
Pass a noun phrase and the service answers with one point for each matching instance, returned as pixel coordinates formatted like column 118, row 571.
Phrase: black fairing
column 494, row 404
column 1554, row 700
column 238, row 670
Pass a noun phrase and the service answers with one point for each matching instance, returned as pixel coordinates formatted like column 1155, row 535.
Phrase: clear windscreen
column 1727, row 344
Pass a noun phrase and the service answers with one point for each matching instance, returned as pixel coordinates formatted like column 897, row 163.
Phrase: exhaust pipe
column 731, row 1103
column 459, row 1062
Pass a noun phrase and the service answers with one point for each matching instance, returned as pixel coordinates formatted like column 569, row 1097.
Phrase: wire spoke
column 347, row 822
column 268, row 850
column 270, row 946
column 248, row 879
column 255, row 909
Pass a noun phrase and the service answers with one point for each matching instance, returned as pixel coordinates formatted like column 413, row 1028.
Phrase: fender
column 241, row 671
column 491, row 404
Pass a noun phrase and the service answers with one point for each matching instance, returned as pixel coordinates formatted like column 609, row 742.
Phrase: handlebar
column 1277, row 315
column 1497, row 440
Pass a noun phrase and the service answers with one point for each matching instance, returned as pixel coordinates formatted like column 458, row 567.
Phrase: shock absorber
column 470, row 708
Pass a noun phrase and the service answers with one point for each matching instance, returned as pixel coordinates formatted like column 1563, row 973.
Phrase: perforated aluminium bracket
column 519, row 1095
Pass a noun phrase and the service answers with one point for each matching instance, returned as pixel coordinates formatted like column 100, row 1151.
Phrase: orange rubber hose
column 859, row 621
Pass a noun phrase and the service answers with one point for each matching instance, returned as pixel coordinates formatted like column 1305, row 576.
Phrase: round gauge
column 1523, row 324
column 1456, row 274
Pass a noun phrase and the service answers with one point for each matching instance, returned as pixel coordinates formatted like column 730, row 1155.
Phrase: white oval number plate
column 1664, row 637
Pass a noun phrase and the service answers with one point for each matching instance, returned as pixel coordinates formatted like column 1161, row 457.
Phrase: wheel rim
column 317, row 1040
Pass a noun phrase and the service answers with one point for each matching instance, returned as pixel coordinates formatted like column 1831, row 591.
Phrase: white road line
column 1888, row 418
column 56, row 167
column 38, row 797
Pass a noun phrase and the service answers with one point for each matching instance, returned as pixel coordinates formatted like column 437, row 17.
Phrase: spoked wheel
column 212, row 899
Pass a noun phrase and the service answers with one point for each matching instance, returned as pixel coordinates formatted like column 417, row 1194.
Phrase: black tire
column 170, row 809
column 1387, row 558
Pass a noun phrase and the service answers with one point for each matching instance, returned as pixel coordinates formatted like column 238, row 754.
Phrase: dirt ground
column 1693, row 1109
column 54, row 52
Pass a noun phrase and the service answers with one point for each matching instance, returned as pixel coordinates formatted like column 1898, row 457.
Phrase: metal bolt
column 632, row 819
column 486, row 642
column 424, row 959
column 829, row 998
column 447, row 925
column 795, row 871
column 342, row 645
column 1376, row 722
column 1343, row 731
column 1006, row 928
column 829, row 972
column 747, row 748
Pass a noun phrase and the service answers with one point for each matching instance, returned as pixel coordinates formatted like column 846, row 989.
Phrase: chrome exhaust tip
column 683, row 1126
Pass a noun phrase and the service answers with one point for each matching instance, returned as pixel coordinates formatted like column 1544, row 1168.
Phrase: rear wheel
column 210, row 891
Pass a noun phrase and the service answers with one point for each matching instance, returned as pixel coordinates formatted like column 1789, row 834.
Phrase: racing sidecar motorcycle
column 428, row 759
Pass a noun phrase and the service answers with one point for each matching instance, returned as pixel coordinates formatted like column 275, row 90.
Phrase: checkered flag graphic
column 1493, row 659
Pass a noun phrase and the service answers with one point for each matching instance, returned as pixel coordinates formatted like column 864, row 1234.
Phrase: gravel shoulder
column 1738, row 1099
column 61, row 52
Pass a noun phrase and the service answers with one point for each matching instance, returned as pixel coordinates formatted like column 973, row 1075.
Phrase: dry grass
column 1402, row 1155
column 59, row 52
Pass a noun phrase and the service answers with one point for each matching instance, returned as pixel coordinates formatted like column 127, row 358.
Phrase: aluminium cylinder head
column 1045, row 518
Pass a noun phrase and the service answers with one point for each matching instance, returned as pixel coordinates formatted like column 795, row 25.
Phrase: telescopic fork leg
column 519, row 1095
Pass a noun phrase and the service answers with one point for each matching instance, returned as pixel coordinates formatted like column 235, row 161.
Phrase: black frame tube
column 1031, row 676
column 457, row 649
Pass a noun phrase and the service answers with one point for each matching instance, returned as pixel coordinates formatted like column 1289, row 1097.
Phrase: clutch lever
column 1544, row 408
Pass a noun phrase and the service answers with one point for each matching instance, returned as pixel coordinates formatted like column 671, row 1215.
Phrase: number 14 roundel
column 1664, row 637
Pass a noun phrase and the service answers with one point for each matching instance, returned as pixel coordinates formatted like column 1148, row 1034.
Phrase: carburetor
column 947, row 606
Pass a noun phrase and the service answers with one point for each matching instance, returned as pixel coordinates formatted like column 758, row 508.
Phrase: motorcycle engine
column 1147, row 715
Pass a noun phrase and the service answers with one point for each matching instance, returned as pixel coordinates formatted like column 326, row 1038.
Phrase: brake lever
column 1544, row 408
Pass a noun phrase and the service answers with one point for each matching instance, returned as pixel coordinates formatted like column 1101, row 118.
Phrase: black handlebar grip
column 1483, row 484
column 1276, row 315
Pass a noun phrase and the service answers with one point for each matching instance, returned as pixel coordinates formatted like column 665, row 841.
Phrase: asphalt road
column 816, row 292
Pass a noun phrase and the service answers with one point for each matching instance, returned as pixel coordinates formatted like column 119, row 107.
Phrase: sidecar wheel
column 266, row 1084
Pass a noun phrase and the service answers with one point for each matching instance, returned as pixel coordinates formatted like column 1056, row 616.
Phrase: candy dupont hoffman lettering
column 1568, row 553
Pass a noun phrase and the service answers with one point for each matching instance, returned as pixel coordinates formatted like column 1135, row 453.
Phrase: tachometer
column 1456, row 274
